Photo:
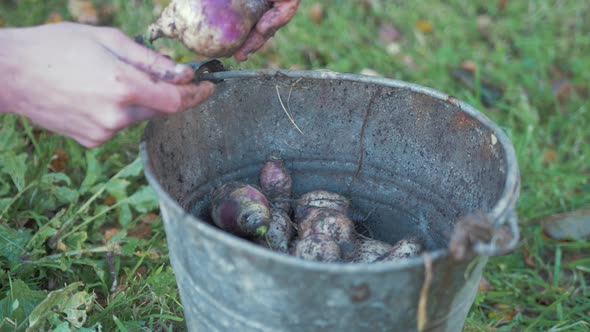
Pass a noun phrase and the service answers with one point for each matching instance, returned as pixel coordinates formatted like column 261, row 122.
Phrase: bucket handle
column 498, row 245
column 476, row 234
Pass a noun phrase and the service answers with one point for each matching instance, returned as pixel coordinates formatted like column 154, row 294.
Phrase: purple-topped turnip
column 240, row 209
column 276, row 182
column 211, row 28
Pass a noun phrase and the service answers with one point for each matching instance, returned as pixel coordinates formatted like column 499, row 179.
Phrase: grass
column 94, row 206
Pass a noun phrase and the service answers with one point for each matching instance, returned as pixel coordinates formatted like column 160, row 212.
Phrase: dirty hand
column 280, row 14
column 89, row 82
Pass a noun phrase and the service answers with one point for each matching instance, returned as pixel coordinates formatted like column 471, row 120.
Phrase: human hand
column 280, row 14
column 90, row 82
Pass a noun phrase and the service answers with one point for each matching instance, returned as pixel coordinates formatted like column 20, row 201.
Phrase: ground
column 73, row 218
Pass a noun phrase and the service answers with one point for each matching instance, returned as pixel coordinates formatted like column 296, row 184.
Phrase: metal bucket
column 412, row 159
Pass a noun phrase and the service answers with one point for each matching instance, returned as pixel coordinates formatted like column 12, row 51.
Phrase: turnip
column 240, row 209
column 280, row 232
column 211, row 28
column 323, row 199
column 276, row 182
column 368, row 250
column 331, row 223
column 318, row 247
column 402, row 250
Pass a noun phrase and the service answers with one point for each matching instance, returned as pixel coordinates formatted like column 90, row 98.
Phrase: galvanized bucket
column 412, row 159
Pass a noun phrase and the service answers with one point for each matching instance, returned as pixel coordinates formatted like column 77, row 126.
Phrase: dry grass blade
column 285, row 109
column 423, row 303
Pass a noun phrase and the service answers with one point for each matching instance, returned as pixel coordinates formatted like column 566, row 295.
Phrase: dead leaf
column 110, row 200
column 572, row 225
column 58, row 162
column 109, row 233
column 503, row 312
column 316, row 13
column 140, row 231
column 149, row 218
column 393, row 48
column 1, row 23
column 485, row 285
column 106, row 13
column 424, row 26
column 389, row 33
column 61, row 246
column 550, row 156
column 529, row 260
column 83, row 11
column 369, row 72
column 469, row 66
column 54, row 17
column 502, row 4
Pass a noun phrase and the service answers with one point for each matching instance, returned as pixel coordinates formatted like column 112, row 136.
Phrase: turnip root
column 331, row 223
column 369, row 250
column 322, row 199
column 318, row 247
column 240, row 209
column 211, row 28
column 280, row 232
column 276, row 182
column 402, row 250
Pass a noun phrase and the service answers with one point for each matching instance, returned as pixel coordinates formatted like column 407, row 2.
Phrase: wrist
column 9, row 69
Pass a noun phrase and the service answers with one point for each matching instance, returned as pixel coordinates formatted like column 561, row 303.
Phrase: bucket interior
column 410, row 163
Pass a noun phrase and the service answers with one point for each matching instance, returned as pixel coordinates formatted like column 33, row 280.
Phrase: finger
column 163, row 96
column 279, row 15
column 158, row 66
column 253, row 43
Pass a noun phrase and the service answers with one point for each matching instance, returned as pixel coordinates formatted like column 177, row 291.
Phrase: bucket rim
column 502, row 209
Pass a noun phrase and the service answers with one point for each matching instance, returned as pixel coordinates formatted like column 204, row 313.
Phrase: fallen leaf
column 485, row 285
column 140, row 231
column 424, row 26
column 110, row 200
column 469, row 66
column 58, row 162
column 503, row 312
column 550, row 156
column 1, row 23
column 388, row 33
column 61, row 246
column 393, row 48
column 106, row 13
column 83, row 11
column 149, row 218
column 483, row 23
column 369, row 72
column 316, row 13
column 529, row 260
column 54, row 17
column 502, row 4
column 109, row 233
column 572, row 225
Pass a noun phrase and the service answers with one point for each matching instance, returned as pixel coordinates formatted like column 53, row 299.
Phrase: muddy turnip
column 322, row 199
column 402, row 250
column 318, row 247
column 280, row 232
column 367, row 250
column 331, row 223
column 240, row 209
column 276, row 182
column 211, row 28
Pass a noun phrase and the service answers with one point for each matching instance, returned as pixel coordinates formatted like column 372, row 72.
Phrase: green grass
column 543, row 286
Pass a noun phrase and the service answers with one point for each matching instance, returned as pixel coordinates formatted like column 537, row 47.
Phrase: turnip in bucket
column 211, row 28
